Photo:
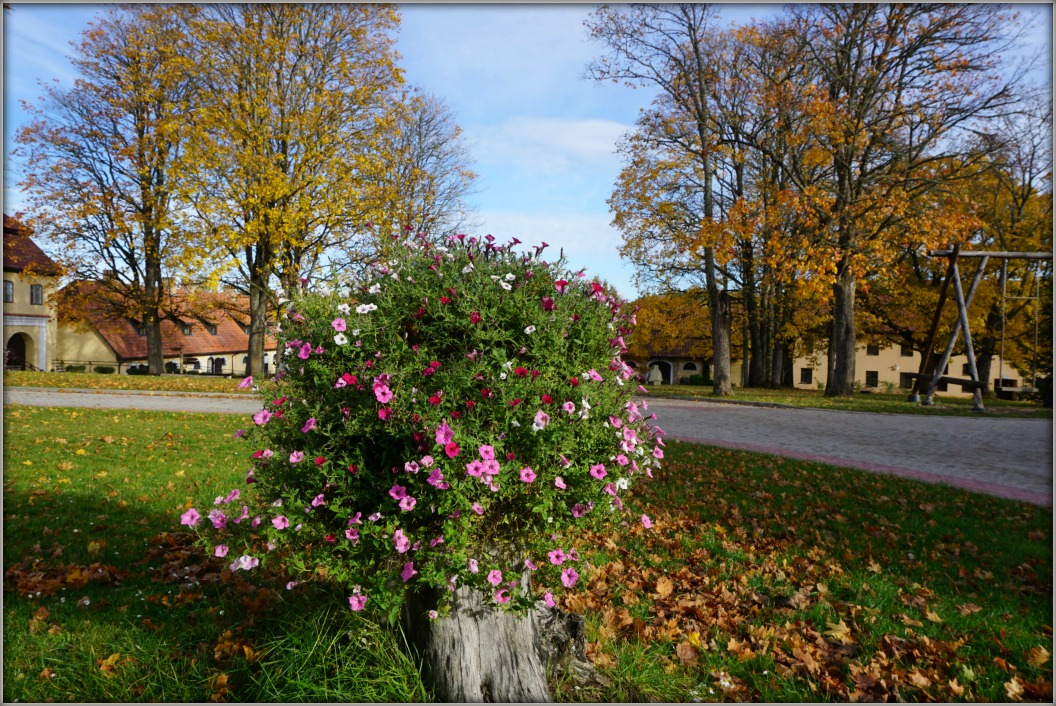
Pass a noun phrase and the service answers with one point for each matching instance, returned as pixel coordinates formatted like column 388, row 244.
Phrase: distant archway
column 16, row 352
column 665, row 370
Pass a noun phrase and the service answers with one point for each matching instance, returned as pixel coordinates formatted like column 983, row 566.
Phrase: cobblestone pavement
column 1004, row 457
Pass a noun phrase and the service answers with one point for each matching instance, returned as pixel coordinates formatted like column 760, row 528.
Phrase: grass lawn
column 895, row 403
column 762, row 579
column 97, row 381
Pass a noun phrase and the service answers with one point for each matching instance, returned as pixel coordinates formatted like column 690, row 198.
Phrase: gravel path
column 1005, row 457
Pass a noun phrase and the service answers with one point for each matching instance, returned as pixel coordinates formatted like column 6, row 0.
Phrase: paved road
column 1004, row 457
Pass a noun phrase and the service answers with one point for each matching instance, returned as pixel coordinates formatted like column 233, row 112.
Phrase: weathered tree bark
column 843, row 344
column 479, row 653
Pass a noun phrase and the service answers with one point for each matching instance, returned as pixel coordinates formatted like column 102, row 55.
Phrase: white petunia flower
column 375, row 288
column 344, row 308
column 366, row 308
column 506, row 286
column 510, row 277
column 530, row 330
column 340, row 339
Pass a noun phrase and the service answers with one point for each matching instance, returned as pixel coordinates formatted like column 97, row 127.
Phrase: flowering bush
column 449, row 421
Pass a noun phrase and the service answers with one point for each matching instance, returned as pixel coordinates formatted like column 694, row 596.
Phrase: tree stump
column 480, row 653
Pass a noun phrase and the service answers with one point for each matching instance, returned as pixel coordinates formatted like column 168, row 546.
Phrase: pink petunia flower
column 398, row 492
column 318, row 500
column 540, row 421
column 487, row 452
column 220, row 551
column 309, row 425
column 557, row 557
column 559, row 483
column 477, row 508
column 352, row 534
column 578, row 510
column 407, row 503
column 382, row 392
column 339, row 324
column 401, row 542
column 452, row 449
column 548, row 598
column 261, row 418
column 527, row 474
column 305, row 351
column 598, row 471
column 444, row 433
column 475, row 468
column 569, row 407
column 529, row 564
column 296, row 457
column 357, row 602
column 473, row 566
column 246, row 382
column 647, row 522
column 408, row 571
column 385, row 413
column 569, row 577
column 281, row 522
column 502, row 596
column 494, row 577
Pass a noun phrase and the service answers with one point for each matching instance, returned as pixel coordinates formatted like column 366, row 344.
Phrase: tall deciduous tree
column 665, row 46
column 102, row 166
column 421, row 174
column 289, row 100
column 894, row 87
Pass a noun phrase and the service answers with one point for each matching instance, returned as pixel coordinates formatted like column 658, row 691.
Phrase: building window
column 872, row 350
column 211, row 328
column 36, row 294
column 141, row 329
column 186, row 330
column 905, row 381
column 872, row 378
column 9, row 291
column 690, row 366
column 806, row 376
column 906, row 351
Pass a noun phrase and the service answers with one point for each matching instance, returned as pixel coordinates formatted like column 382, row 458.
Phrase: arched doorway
column 665, row 369
column 15, row 353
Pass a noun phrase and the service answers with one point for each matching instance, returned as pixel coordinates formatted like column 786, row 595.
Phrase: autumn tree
column 665, row 47
column 894, row 87
column 102, row 167
column 419, row 178
column 289, row 101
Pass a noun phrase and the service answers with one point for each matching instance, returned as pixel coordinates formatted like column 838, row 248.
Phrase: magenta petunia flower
column 473, row 566
column 281, row 522
column 398, row 492
column 246, row 382
column 475, row 468
column 296, row 457
column 569, row 407
column 444, row 433
column 494, row 577
column 261, row 418
column 318, row 500
column 400, row 541
column 477, row 508
column 598, row 471
column 218, row 519
column 220, row 551
column 548, row 598
column 557, row 557
column 305, row 351
column 578, row 510
column 338, row 324
column 474, row 317
column 408, row 571
column 357, row 602
column 502, row 596
column 385, row 413
column 569, row 577
column 487, row 452
column 407, row 503
column 309, row 425
column 452, row 449
column 527, row 474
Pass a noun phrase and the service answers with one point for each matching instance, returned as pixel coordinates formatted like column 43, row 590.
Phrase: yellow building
column 30, row 278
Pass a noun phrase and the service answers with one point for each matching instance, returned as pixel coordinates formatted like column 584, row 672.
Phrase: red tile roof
column 222, row 310
column 21, row 253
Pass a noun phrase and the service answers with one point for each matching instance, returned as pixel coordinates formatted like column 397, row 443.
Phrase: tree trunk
column 479, row 653
column 841, row 381
column 721, row 317
column 257, row 326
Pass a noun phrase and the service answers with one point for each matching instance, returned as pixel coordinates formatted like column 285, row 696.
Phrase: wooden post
column 925, row 358
column 962, row 321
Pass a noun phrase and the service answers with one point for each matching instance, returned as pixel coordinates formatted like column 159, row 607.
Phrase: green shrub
column 74, row 368
column 698, row 380
column 104, row 369
column 449, row 420
column 138, row 370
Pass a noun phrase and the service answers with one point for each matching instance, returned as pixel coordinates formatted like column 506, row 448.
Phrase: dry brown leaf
column 664, row 587
column 1039, row 657
column 873, row 566
column 687, row 653
column 955, row 688
column 840, row 632
column 917, row 679
column 906, row 620
column 969, row 608
column 933, row 616
column 46, row 673
column 1014, row 689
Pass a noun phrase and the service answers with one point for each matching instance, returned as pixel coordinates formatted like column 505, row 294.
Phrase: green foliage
column 449, row 419
column 104, row 369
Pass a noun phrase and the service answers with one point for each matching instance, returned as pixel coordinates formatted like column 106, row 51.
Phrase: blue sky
column 542, row 136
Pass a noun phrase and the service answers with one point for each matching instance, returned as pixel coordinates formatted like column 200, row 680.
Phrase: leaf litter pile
column 765, row 579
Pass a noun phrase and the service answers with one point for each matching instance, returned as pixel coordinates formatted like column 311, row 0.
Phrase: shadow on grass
column 128, row 608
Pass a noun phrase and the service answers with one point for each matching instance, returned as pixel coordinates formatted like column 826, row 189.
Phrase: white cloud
column 550, row 144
